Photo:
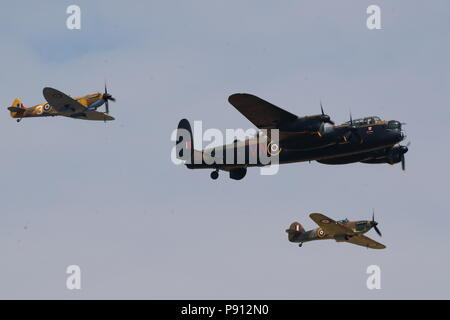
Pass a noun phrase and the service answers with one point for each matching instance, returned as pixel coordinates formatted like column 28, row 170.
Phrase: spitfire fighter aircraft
column 60, row 104
column 367, row 140
column 341, row 231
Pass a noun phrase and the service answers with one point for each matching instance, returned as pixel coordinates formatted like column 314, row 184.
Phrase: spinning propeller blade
column 403, row 150
column 374, row 223
column 325, row 118
column 353, row 132
column 107, row 97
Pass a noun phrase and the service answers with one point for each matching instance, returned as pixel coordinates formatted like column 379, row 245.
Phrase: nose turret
column 394, row 125
column 395, row 128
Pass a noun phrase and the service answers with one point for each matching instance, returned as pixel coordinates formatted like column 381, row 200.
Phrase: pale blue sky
column 108, row 198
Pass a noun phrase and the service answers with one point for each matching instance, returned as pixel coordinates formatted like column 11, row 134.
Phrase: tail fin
column 16, row 107
column 294, row 229
column 185, row 142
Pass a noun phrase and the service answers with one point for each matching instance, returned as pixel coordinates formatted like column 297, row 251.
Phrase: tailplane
column 294, row 229
column 16, row 107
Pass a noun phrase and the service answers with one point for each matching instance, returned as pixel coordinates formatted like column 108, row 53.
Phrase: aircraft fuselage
column 333, row 143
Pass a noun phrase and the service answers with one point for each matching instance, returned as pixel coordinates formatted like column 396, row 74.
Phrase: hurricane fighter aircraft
column 341, row 231
column 367, row 140
column 60, row 104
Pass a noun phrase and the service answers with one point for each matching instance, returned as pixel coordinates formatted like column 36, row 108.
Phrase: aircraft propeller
column 353, row 131
column 403, row 150
column 324, row 117
column 374, row 223
column 107, row 97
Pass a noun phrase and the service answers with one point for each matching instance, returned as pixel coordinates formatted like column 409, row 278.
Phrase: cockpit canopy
column 363, row 121
column 344, row 221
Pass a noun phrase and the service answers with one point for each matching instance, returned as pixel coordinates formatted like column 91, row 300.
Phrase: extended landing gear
column 300, row 244
column 18, row 120
column 215, row 174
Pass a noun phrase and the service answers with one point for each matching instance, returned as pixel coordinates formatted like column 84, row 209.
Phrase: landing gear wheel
column 215, row 174
column 18, row 120
column 300, row 245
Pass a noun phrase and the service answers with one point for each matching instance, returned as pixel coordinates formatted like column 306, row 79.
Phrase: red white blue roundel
column 320, row 233
column 47, row 107
column 273, row 149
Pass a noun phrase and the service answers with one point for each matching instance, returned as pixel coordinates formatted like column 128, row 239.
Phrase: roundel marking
column 325, row 221
column 320, row 233
column 47, row 107
column 273, row 149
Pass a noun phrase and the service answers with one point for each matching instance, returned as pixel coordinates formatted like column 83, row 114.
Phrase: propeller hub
column 107, row 96
column 326, row 119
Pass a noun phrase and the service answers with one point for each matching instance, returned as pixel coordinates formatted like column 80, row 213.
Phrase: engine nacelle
column 392, row 156
column 238, row 173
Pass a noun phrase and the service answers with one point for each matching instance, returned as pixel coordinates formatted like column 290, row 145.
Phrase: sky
column 107, row 197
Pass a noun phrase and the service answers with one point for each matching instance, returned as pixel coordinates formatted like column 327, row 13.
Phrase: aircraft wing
column 62, row 102
column 92, row 115
column 261, row 113
column 328, row 225
column 366, row 242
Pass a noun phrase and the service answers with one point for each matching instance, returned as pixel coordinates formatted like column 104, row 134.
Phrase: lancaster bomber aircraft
column 60, row 104
column 367, row 140
column 341, row 231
